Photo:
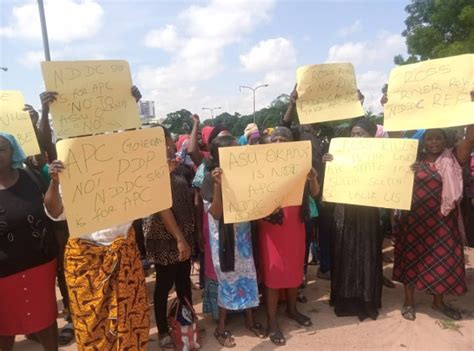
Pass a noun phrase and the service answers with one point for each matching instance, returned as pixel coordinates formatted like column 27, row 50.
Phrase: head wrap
column 181, row 140
column 216, row 131
column 366, row 125
column 251, row 128
column 268, row 131
column 381, row 133
column 282, row 132
column 18, row 156
column 206, row 133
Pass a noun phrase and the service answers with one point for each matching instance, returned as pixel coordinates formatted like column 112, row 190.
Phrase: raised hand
column 217, row 176
column 328, row 158
column 34, row 115
column 136, row 93
column 47, row 97
column 55, row 168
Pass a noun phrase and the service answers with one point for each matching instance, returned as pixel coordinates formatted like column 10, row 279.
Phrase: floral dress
column 237, row 289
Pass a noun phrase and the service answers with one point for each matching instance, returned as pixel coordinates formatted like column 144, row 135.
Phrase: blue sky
column 192, row 54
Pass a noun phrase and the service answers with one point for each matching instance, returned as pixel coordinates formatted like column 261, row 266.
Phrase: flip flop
column 167, row 343
column 301, row 319
column 66, row 335
column 448, row 312
column 258, row 330
column 225, row 339
column 409, row 313
column 277, row 338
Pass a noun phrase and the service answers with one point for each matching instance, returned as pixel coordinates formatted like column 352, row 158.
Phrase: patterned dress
column 429, row 250
column 237, row 289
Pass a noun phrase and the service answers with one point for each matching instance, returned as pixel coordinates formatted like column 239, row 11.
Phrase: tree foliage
column 438, row 28
column 179, row 122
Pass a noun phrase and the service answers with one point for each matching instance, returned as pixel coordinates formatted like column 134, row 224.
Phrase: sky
column 195, row 54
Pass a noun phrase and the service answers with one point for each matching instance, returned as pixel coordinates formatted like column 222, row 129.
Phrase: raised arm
column 193, row 147
column 313, row 183
column 288, row 117
column 216, row 209
column 45, row 131
column 52, row 199
column 465, row 147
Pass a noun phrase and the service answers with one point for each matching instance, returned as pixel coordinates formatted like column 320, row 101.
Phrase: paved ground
column 389, row 332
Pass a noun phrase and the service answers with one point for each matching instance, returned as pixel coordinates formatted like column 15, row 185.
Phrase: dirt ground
column 389, row 332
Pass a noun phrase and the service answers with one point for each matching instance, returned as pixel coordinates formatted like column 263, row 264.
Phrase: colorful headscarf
column 206, row 133
column 18, row 155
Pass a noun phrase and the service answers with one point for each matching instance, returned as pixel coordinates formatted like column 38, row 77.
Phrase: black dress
column 26, row 236
column 356, row 272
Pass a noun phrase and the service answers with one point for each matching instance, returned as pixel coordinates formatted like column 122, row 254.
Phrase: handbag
column 182, row 321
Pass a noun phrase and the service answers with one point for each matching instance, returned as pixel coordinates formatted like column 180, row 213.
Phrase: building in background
column 147, row 111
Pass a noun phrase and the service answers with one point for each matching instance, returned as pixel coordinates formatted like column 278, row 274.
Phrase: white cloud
column 383, row 48
column 353, row 28
column 165, row 38
column 200, row 34
column 31, row 59
column 67, row 20
column 268, row 55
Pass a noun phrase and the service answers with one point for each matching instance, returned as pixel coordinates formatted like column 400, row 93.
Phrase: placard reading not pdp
column 113, row 179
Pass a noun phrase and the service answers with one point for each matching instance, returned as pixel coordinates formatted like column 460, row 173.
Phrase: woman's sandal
column 448, row 312
column 277, row 338
column 301, row 319
column 166, row 342
column 225, row 339
column 258, row 330
column 66, row 335
column 408, row 312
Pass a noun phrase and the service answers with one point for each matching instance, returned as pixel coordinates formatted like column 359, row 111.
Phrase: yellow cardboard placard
column 327, row 92
column 113, row 179
column 430, row 94
column 371, row 172
column 258, row 179
column 94, row 97
column 17, row 122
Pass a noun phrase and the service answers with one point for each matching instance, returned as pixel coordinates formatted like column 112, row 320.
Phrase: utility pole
column 212, row 112
column 44, row 31
column 253, row 90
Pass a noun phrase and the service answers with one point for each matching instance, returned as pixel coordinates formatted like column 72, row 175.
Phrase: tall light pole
column 44, row 31
column 253, row 90
column 212, row 112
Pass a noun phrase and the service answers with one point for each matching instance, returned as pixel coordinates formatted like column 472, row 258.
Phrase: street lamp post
column 44, row 31
column 253, row 90
column 212, row 112
column 4, row 69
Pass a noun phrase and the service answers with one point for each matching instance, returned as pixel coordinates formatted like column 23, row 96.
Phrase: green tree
column 438, row 28
column 177, row 122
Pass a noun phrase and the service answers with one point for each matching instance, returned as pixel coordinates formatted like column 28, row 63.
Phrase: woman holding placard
column 28, row 251
column 429, row 248
column 282, row 250
column 105, row 281
column 232, row 253
column 356, row 271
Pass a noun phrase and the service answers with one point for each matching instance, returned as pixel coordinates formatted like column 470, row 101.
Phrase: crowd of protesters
column 243, row 266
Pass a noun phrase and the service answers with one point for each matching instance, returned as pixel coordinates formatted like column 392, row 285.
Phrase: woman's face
column 279, row 139
column 434, row 142
column 358, row 132
column 6, row 153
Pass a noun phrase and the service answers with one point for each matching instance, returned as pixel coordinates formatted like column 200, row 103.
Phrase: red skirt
column 282, row 249
column 28, row 300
